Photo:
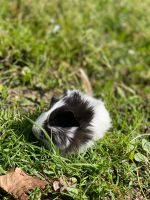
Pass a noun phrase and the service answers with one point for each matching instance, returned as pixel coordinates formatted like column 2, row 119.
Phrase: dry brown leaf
column 17, row 183
column 64, row 182
column 86, row 82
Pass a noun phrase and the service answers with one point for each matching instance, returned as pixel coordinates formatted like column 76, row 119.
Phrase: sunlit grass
column 42, row 46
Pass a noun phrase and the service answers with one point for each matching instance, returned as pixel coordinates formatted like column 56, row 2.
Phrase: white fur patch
column 101, row 121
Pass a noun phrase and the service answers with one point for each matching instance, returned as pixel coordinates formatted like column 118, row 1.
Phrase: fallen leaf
column 63, row 183
column 86, row 82
column 56, row 185
column 17, row 183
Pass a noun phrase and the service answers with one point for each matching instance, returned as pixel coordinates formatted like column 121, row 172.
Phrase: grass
column 42, row 47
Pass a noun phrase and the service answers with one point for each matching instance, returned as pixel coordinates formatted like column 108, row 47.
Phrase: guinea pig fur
column 74, row 122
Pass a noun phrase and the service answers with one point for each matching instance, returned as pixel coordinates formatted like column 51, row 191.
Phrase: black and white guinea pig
column 73, row 122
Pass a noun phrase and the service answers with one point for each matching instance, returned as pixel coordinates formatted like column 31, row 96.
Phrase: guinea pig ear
column 53, row 100
column 63, row 118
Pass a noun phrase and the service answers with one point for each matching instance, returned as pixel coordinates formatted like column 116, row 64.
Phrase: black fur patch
column 81, row 109
column 63, row 118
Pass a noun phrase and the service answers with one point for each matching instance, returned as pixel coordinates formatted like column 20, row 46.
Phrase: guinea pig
column 74, row 122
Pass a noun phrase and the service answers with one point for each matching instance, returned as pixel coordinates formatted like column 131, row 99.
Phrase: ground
column 43, row 44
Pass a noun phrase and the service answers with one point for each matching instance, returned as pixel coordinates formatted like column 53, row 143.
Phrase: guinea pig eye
column 64, row 119
column 54, row 100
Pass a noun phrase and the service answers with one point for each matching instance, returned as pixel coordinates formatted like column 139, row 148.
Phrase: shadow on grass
column 23, row 127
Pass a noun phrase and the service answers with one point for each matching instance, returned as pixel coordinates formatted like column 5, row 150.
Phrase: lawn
column 43, row 44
